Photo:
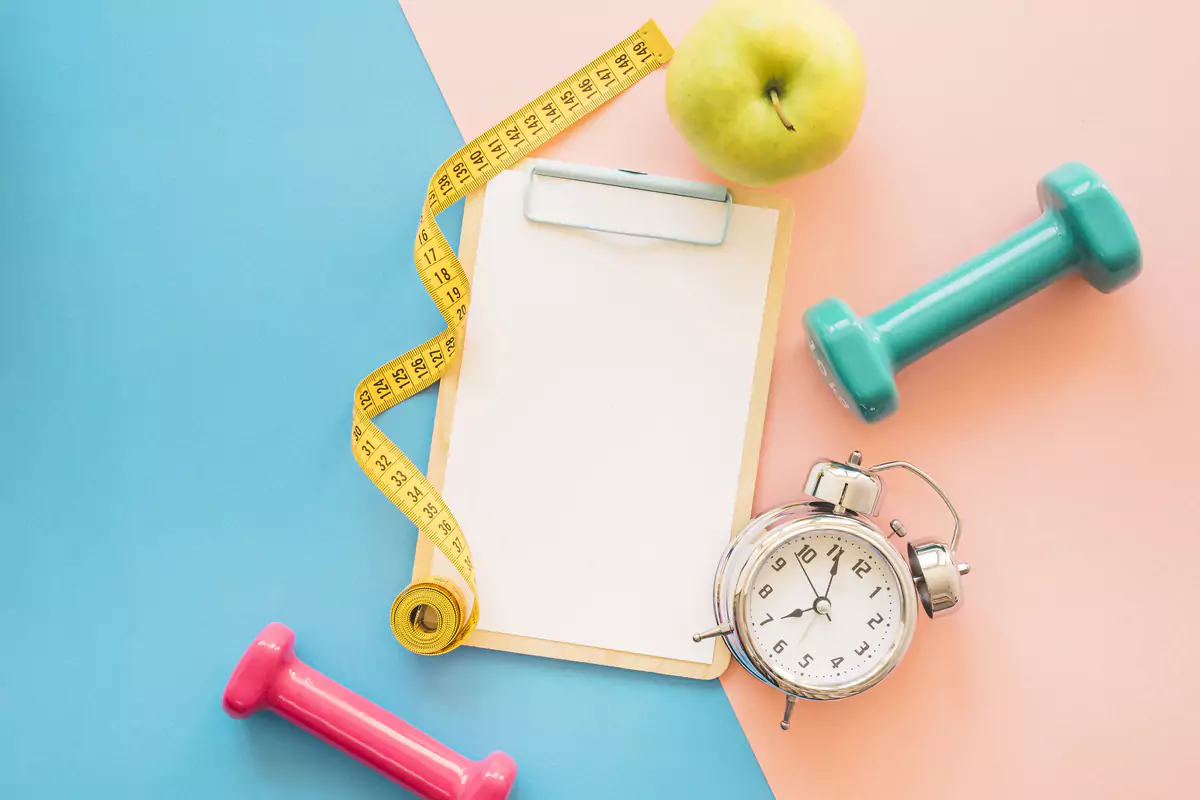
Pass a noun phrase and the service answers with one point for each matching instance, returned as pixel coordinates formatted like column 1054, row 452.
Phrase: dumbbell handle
column 976, row 290
column 270, row 676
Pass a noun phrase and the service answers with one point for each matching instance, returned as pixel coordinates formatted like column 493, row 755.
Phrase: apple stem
column 787, row 123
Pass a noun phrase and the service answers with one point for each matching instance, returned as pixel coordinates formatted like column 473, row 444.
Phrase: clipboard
column 742, row 466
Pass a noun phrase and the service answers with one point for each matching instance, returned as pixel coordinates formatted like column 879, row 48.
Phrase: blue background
column 206, row 212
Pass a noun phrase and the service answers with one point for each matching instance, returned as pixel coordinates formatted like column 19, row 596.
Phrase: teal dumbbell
column 1082, row 229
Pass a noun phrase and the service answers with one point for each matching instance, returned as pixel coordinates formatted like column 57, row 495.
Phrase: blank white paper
column 601, row 412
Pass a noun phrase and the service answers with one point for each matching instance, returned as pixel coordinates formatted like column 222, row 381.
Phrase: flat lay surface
column 1053, row 427
column 190, row 196
column 206, row 220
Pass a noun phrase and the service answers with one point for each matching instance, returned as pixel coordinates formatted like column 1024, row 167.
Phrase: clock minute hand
column 810, row 583
column 816, row 595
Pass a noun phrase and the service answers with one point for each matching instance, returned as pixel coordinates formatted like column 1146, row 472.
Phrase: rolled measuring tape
column 431, row 617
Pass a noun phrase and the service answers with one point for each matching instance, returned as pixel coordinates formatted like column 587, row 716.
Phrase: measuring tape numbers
column 476, row 163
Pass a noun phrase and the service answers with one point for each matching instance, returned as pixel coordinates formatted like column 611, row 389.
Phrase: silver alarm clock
column 812, row 598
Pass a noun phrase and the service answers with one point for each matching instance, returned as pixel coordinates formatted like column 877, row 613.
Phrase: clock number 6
column 779, row 646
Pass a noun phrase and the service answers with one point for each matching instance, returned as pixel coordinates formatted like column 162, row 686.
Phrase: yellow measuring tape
column 480, row 160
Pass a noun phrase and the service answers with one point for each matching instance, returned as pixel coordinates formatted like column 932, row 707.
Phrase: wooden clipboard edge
column 751, row 450
column 772, row 310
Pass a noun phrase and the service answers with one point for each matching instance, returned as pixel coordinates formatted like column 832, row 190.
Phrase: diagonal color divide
column 206, row 220
column 1045, row 682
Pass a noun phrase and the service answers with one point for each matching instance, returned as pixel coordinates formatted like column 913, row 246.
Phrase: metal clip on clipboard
column 627, row 179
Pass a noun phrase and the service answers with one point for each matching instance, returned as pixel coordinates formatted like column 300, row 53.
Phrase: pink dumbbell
column 270, row 676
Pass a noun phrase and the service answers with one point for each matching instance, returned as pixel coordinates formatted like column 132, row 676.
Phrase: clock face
column 826, row 610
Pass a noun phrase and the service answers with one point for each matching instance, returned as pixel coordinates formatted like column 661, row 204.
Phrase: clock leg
column 787, row 713
column 719, row 631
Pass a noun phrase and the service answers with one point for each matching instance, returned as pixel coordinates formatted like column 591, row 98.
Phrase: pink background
column 1062, row 429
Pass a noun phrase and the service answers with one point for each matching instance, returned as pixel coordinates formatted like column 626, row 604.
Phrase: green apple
column 763, row 90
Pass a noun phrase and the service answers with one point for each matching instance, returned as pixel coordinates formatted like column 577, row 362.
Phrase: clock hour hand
column 832, row 572
column 799, row 612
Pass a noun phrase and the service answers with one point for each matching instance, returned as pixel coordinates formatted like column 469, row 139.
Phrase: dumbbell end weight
column 1083, row 229
column 852, row 360
column 1109, row 254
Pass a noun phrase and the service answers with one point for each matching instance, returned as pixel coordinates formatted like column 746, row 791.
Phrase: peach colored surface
column 1064, row 429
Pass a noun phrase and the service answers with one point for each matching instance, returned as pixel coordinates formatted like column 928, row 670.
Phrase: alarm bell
column 938, row 578
column 845, row 485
